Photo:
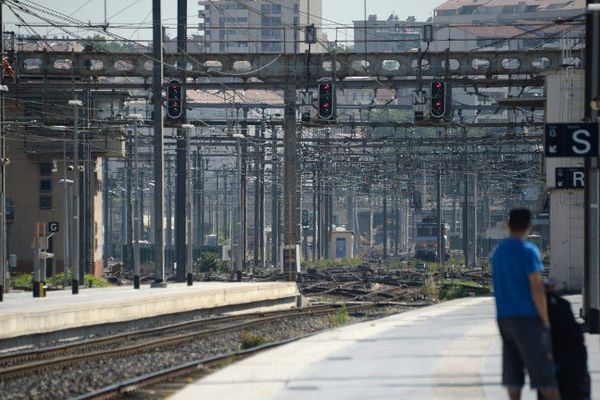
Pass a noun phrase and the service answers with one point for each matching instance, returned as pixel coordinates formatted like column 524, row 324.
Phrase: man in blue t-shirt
column 522, row 312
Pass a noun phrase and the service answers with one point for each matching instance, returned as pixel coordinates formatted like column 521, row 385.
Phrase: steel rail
column 65, row 361
column 44, row 353
column 140, row 382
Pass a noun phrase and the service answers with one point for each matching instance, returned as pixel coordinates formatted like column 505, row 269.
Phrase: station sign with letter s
column 571, row 140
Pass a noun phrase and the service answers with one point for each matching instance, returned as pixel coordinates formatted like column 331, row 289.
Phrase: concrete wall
column 565, row 92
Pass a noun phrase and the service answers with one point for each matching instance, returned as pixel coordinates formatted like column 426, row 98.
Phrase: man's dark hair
column 519, row 220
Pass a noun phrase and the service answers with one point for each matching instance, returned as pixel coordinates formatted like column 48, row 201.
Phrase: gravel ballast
column 85, row 377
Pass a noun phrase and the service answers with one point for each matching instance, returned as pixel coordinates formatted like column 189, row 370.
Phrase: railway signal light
column 438, row 99
column 326, row 101
column 174, row 100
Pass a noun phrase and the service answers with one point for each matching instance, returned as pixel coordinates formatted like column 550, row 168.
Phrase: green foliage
column 335, row 47
column 431, row 289
column 396, row 265
column 101, row 43
column 341, row 317
column 250, row 339
column 95, row 282
column 449, row 292
column 21, row 281
column 57, row 280
column 89, row 280
column 211, row 263
column 25, row 281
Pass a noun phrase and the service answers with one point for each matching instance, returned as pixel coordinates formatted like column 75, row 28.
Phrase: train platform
column 448, row 351
column 21, row 315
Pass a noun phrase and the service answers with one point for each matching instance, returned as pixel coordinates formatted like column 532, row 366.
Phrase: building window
column 45, row 169
column 45, row 202
column 45, row 186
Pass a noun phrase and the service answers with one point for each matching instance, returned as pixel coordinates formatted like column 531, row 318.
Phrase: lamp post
column 135, row 118
column 76, row 188
column 188, row 205
column 237, row 265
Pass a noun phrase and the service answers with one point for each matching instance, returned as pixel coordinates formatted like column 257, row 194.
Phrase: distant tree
column 101, row 43
column 411, row 19
column 335, row 47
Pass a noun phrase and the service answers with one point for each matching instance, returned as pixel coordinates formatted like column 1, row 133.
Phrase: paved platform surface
column 21, row 314
column 449, row 351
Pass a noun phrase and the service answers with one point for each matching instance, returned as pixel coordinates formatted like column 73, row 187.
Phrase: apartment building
column 259, row 26
column 386, row 36
column 505, row 11
column 40, row 150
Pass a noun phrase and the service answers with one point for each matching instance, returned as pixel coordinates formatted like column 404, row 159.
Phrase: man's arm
column 538, row 293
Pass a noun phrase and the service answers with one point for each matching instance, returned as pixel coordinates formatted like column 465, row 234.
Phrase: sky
column 137, row 12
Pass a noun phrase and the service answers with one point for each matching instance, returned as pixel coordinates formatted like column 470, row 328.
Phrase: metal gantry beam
column 278, row 68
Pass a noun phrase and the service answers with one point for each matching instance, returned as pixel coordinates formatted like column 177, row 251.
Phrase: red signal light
column 175, row 100
column 438, row 99
column 326, row 101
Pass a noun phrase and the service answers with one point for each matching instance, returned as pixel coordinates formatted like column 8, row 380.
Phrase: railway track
column 34, row 361
column 161, row 384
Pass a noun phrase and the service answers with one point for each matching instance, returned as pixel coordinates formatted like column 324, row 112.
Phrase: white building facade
column 257, row 26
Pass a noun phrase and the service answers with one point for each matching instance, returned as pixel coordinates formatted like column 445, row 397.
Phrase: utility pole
column 314, row 214
column 142, row 207
column 135, row 196
column 591, row 272
column 201, row 201
column 257, row 203
column 262, row 198
column 159, row 184
column 66, row 211
column 169, row 214
column 129, row 257
column 180, row 203
column 439, row 218
column 226, row 202
column 274, row 201
column 238, row 265
column 290, row 183
column 396, row 225
column 474, row 221
column 76, row 189
column 106, row 208
column 181, row 152
column 385, row 221
column 124, row 223
column 244, row 189
column 189, row 245
column 3, row 241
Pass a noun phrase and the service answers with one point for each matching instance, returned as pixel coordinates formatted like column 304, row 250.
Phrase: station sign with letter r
column 570, row 178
